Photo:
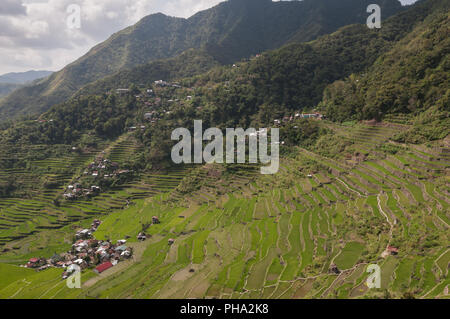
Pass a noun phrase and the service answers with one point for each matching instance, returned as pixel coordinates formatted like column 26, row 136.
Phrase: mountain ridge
column 229, row 31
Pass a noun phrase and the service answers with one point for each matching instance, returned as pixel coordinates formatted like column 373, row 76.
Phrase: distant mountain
column 12, row 81
column 23, row 77
column 230, row 31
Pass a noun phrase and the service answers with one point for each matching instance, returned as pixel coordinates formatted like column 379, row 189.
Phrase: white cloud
column 12, row 7
column 34, row 33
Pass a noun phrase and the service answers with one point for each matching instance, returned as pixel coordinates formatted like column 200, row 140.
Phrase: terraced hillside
column 308, row 232
column 42, row 210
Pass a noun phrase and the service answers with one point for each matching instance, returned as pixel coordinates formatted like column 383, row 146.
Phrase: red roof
column 34, row 260
column 392, row 249
column 105, row 266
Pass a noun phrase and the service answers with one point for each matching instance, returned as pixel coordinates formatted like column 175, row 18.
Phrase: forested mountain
column 189, row 63
column 228, row 32
column 292, row 78
column 411, row 78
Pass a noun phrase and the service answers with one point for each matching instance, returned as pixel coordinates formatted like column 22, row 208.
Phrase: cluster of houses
column 152, row 115
column 86, row 252
column 99, row 169
column 297, row 116
column 76, row 191
column 163, row 83
column 102, row 167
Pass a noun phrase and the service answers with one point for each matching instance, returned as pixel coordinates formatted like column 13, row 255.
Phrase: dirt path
column 384, row 214
column 348, row 187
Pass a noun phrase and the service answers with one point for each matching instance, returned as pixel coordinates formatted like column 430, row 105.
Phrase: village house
column 142, row 237
column 334, row 269
column 392, row 250
column 69, row 196
column 83, row 234
column 36, row 263
column 95, row 224
column 309, row 116
column 103, row 267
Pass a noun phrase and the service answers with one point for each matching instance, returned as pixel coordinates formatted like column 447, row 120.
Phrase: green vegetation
column 346, row 194
column 412, row 77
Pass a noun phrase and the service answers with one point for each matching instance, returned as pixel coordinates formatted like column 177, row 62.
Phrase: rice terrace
column 88, row 187
column 243, row 235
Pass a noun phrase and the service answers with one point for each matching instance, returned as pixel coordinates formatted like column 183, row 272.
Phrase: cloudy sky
column 36, row 35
